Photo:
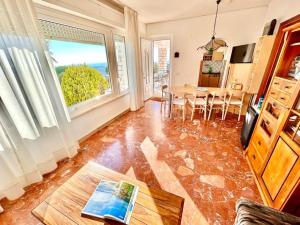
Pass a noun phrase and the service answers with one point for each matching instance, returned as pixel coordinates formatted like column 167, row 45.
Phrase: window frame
column 123, row 36
column 53, row 15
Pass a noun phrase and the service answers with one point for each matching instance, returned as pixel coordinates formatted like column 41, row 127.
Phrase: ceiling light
column 214, row 42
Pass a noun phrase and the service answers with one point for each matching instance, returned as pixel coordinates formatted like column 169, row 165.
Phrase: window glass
column 121, row 62
column 82, row 69
column 80, row 60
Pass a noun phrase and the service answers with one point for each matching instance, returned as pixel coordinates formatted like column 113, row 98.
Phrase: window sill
column 89, row 105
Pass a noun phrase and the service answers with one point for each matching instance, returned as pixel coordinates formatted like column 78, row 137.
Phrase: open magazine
column 111, row 200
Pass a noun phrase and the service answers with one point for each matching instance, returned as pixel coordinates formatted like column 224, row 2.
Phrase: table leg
column 170, row 104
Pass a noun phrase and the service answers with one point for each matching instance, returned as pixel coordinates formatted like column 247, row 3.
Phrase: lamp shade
column 214, row 44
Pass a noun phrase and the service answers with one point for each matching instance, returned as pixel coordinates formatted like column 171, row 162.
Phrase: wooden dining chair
column 236, row 99
column 179, row 101
column 198, row 101
column 217, row 102
column 188, row 85
column 164, row 97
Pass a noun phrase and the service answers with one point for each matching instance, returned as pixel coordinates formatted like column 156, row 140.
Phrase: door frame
column 148, row 39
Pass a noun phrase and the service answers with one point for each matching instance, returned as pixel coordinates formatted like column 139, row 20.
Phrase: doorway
column 161, row 65
column 155, row 66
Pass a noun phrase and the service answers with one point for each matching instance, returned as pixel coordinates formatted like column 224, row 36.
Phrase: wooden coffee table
column 64, row 205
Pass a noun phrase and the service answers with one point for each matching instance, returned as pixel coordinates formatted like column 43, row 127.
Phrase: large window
column 82, row 70
column 80, row 60
column 121, row 62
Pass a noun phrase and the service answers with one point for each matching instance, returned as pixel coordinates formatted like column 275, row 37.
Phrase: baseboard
column 103, row 126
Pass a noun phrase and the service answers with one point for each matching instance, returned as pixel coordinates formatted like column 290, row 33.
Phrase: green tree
column 81, row 82
column 60, row 69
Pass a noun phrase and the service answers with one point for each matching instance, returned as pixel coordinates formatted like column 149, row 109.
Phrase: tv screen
column 242, row 54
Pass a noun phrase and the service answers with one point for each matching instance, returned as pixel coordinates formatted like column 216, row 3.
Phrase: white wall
column 239, row 27
column 282, row 10
column 90, row 121
column 142, row 29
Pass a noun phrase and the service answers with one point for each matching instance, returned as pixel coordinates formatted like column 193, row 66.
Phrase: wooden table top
column 64, row 205
column 180, row 90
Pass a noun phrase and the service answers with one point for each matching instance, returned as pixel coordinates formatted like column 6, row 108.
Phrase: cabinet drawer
column 277, row 83
column 288, row 86
column 260, row 144
column 267, row 126
column 274, row 93
column 254, row 158
column 274, row 109
column 284, row 98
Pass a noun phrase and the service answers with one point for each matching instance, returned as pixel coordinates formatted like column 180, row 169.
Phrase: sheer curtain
column 134, row 65
column 34, row 122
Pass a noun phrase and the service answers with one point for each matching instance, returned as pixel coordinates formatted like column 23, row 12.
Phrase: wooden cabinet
column 261, row 144
column 281, row 162
column 254, row 158
column 282, row 89
column 261, row 53
column 274, row 149
column 274, row 109
column 211, row 72
column 239, row 73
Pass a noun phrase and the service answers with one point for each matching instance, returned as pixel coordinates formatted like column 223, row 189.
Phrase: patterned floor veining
column 201, row 161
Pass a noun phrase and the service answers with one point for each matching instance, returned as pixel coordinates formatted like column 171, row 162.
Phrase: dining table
column 183, row 90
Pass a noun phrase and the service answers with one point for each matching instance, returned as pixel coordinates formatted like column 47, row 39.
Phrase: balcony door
column 147, row 67
column 161, row 65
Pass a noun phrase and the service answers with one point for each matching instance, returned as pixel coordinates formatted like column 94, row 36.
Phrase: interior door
column 147, row 69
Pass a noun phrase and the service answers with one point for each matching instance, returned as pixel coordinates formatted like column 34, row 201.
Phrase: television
column 242, row 53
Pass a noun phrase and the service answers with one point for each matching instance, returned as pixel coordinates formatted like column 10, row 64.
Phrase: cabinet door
column 254, row 158
column 280, row 164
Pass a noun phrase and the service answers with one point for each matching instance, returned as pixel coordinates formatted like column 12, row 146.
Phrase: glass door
column 161, row 65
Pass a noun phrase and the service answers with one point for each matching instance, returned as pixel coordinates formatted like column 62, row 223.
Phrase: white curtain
column 134, row 64
column 34, row 122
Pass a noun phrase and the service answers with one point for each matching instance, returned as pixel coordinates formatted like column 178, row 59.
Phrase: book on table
column 111, row 200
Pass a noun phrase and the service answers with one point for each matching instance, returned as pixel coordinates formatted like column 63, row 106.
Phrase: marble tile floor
column 201, row 161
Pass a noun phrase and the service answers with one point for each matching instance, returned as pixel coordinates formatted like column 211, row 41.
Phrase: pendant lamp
column 214, row 42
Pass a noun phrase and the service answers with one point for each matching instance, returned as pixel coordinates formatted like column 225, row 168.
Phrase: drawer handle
column 267, row 122
column 259, row 143
column 276, row 83
column 253, row 156
column 288, row 87
column 273, row 93
column 282, row 98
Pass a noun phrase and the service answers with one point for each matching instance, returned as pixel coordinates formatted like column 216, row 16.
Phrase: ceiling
column 152, row 11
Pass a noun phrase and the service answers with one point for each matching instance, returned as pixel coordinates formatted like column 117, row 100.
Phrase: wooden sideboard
column 211, row 78
column 274, row 149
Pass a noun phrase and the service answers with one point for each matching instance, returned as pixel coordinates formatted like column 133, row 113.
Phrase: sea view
column 101, row 67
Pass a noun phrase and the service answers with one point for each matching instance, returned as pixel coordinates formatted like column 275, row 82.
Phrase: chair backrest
column 163, row 88
column 221, row 94
column 236, row 94
column 200, row 94
column 188, row 85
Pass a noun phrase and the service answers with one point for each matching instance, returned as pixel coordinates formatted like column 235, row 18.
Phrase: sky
column 68, row 53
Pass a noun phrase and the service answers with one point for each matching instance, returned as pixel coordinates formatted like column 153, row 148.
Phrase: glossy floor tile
column 201, row 161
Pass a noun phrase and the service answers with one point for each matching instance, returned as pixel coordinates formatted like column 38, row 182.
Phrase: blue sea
column 101, row 67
